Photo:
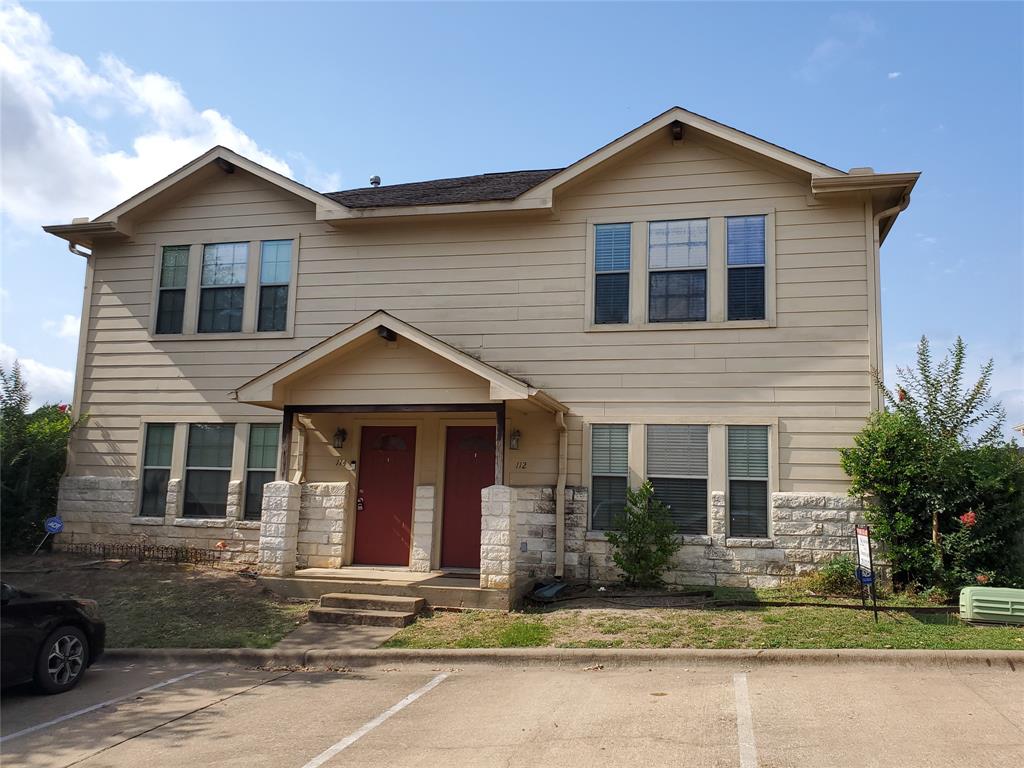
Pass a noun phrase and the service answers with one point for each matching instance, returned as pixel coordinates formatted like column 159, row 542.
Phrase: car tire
column 62, row 660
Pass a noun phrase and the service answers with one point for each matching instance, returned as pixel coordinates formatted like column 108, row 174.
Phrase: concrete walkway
column 350, row 637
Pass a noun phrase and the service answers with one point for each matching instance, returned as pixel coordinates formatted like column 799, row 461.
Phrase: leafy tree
column 931, row 458
column 645, row 538
column 33, row 455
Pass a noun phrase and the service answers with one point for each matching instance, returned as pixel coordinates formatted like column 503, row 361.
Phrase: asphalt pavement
column 152, row 714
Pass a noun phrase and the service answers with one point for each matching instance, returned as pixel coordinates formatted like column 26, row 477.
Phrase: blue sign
column 865, row 576
column 54, row 524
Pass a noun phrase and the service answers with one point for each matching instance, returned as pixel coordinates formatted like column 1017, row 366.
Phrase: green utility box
column 993, row 604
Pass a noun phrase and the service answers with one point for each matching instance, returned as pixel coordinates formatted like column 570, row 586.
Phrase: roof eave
column 519, row 204
column 88, row 232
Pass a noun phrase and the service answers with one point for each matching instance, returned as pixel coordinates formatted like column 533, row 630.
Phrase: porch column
column 279, row 531
column 498, row 537
column 422, row 529
column 499, row 444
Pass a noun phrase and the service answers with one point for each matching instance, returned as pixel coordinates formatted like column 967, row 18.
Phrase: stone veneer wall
column 808, row 529
column 322, row 525
column 422, row 529
column 103, row 510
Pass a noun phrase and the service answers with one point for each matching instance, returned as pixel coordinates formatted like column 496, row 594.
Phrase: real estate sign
column 864, row 547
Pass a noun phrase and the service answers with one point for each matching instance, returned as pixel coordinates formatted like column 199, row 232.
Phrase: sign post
column 865, row 567
column 53, row 525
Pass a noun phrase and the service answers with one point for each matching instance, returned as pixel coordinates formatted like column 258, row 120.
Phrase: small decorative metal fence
column 144, row 552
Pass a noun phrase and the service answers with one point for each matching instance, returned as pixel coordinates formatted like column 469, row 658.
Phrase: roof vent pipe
column 375, row 181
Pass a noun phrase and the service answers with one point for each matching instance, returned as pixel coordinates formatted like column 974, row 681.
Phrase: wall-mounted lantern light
column 513, row 440
column 340, row 436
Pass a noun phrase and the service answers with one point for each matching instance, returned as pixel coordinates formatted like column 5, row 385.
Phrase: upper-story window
column 222, row 287
column 677, row 268
column 170, row 312
column 275, row 274
column 611, row 262
column 746, row 258
column 677, row 466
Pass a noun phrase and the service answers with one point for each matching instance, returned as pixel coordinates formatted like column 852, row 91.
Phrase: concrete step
column 358, row 601
column 367, row 617
column 311, row 588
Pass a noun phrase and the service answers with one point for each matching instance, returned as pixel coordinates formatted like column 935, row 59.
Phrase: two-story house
column 465, row 375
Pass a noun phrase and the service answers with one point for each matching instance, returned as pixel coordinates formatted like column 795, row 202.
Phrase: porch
column 394, row 456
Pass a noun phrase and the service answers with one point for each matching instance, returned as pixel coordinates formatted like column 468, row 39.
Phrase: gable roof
column 263, row 390
column 460, row 189
column 494, row 192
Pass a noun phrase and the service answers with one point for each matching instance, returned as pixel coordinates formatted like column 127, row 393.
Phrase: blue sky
column 100, row 99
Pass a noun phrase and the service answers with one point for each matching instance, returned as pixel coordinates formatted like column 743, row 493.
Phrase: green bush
column 944, row 493
column 33, row 452
column 838, row 576
column 645, row 538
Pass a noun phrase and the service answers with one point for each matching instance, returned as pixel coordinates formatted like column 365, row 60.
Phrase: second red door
column 387, row 460
column 468, row 468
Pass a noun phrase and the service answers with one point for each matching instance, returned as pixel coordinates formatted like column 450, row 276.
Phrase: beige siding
column 511, row 292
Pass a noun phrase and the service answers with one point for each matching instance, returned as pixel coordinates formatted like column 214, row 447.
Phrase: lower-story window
column 261, row 467
column 748, row 481
column 208, row 469
column 609, row 470
column 677, row 466
column 156, row 469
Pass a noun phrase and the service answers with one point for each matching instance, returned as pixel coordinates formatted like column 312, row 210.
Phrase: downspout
column 563, row 461
column 877, row 267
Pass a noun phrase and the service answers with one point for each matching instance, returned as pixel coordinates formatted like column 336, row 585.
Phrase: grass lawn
column 761, row 627
column 161, row 605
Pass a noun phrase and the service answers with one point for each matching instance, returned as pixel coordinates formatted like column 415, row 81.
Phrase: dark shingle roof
column 463, row 189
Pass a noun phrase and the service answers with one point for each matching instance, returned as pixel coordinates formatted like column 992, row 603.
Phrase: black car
column 48, row 639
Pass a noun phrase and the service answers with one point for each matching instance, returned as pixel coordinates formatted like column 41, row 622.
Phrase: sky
column 101, row 99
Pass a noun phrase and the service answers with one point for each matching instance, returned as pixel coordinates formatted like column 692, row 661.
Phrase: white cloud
column 851, row 32
column 894, row 75
column 56, row 168
column 46, row 383
column 66, row 328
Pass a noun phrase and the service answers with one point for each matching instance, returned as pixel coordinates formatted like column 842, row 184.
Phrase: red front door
column 387, row 459
column 468, row 468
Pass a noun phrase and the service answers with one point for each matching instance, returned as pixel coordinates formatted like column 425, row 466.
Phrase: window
column 222, row 288
column 275, row 273
column 156, row 469
column 170, row 310
column 260, row 467
column 208, row 469
column 677, row 466
column 609, row 469
column 677, row 270
column 611, row 262
column 748, row 481
column 745, row 238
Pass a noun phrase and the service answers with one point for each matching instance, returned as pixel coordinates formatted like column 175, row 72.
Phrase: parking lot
column 132, row 714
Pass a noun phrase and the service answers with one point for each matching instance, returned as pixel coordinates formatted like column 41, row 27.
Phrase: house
column 464, row 375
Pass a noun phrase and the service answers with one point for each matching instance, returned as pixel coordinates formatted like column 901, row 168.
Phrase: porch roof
column 269, row 389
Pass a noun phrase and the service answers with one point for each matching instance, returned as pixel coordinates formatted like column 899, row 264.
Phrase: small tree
column 33, row 452
column 933, row 459
column 645, row 538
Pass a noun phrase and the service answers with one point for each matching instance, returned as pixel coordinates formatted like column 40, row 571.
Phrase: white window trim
column 718, row 480
column 196, row 242
column 716, row 214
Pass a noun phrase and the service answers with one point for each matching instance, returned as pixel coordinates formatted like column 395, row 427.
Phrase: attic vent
column 375, row 181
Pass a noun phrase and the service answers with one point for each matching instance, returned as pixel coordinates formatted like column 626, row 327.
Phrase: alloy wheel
column 66, row 659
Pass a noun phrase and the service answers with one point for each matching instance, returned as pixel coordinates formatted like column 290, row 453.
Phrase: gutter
column 563, row 462
column 877, row 236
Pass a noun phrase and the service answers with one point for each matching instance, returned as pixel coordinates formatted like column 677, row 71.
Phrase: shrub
column 944, row 493
column 33, row 451
column 645, row 538
column 838, row 576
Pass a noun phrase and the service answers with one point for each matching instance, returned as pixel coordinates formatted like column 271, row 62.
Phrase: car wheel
column 62, row 660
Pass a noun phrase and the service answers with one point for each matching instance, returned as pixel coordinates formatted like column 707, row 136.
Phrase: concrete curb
column 572, row 657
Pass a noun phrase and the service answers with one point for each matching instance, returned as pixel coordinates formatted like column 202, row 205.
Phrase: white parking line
column 355, row 736
column 101, row 705
column 744, row 722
